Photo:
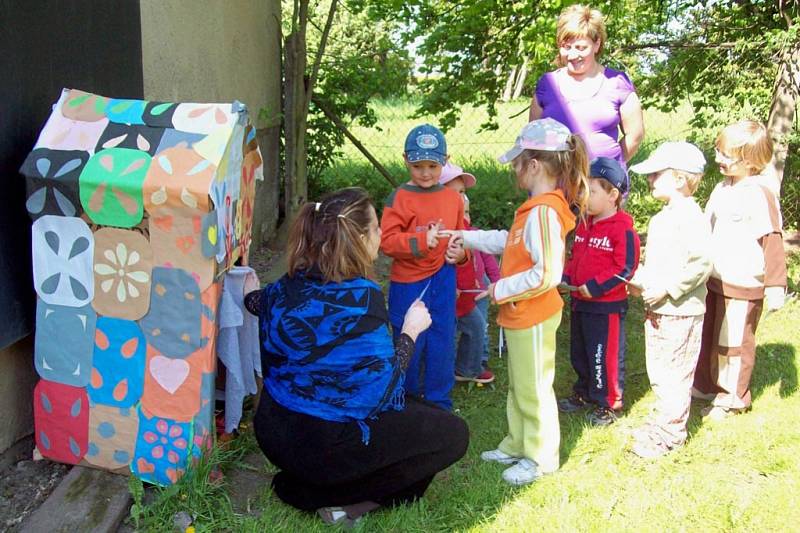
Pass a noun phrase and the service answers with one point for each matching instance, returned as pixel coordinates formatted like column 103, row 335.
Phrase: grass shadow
column 775, row 363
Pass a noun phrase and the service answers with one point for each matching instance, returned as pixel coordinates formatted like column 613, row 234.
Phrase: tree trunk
column 294, row 105
column 509, row 84
column 784, row 105
column 523, row 73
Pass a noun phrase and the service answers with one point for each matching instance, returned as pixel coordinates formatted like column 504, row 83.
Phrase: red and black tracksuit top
column 602, row 251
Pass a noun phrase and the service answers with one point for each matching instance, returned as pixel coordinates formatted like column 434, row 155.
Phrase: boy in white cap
column 672, row 282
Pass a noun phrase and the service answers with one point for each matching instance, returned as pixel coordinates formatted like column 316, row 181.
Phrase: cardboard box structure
column 138, row 207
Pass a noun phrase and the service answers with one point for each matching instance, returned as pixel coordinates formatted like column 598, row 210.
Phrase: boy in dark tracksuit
column 604, row 255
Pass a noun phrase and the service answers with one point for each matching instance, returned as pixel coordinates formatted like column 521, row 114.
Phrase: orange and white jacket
column 533, row 259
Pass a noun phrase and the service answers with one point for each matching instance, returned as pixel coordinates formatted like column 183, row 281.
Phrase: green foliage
column 361, row 62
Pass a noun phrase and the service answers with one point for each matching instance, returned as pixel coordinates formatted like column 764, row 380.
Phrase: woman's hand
column 417, row 320
column 583, row 290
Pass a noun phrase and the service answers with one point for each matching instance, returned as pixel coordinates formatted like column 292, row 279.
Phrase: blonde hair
column 328, row 235
column 570, row 168
column 692, row 179
column 748, row 142
column 579, row 21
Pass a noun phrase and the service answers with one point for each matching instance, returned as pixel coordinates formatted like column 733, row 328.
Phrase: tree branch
column 322, row 43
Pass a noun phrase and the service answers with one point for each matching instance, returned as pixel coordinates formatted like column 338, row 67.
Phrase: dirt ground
column 24, row 486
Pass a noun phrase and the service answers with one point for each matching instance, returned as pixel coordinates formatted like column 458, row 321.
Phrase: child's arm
column 625, row 259
column 489, row 241
column 398, row 243
column 542, row 238
column 774, row 256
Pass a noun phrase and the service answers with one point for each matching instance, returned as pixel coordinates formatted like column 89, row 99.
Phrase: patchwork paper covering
column 138, row 208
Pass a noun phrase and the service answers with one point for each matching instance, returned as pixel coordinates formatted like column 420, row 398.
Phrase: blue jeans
column 470, row 344
column 483, row 306
column 430, row 372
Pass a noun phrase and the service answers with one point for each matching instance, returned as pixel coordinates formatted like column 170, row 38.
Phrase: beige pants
column 673, row 346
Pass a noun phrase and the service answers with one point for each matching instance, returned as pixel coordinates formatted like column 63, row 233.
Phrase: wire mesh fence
column 472, row 146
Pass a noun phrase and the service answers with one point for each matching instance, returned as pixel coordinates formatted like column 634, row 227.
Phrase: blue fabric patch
column 172, row 325
column 63, row 343
column 162, row 449
column 119, row 363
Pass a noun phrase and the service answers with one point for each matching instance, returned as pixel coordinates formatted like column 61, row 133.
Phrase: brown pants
column 728, row 350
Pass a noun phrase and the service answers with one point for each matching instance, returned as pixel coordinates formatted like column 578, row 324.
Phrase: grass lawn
column 741, row 474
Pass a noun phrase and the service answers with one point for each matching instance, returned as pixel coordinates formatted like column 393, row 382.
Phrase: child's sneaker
column 522, row 473
column 572, row 404
column 496, row 456
column 717, row 412
column 602, row 416
column 486, row 376
column 647, row 447
column 697, row 395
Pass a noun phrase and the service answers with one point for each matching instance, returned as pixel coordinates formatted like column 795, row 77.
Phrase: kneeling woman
column 332, row 414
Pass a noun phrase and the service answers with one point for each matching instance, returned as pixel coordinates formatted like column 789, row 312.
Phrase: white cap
column 679, row 155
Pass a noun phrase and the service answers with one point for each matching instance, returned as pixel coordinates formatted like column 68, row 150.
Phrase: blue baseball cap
column 611, row 171
column 426, row 143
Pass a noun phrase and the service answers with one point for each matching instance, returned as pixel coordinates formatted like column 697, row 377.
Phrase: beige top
column 677, row 258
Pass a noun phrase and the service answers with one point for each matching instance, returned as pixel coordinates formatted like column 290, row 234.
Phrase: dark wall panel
column 46, row 45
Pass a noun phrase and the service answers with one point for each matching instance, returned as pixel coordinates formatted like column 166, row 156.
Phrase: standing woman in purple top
column 593, row 101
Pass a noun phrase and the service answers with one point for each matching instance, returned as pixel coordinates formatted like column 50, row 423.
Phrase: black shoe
column 572, row 404
column 603, row 416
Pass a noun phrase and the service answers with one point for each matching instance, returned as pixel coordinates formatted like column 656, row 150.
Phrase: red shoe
column 484, row 377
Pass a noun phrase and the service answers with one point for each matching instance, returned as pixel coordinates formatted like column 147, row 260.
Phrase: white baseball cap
column 679, row 155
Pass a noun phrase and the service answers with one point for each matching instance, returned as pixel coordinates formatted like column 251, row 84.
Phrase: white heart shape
column 169, row 373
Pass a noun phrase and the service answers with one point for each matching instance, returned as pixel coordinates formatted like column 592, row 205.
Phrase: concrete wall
column 46, row 46
column 17, row 378
column 215, row 51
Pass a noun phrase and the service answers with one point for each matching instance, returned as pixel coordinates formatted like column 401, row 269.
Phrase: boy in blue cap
column 605, row 255
column 412, row 217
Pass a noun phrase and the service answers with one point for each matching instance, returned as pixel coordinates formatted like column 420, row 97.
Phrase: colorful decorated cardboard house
column 138, row 208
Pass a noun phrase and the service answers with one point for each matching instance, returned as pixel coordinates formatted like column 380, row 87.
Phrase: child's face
column 729, row 166
column 600, row 201
column 664, row 184
column 457, row 184
column 424, row 174
column 467, row 218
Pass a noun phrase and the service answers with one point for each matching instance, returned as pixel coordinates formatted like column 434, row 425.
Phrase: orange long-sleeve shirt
column 408, row 213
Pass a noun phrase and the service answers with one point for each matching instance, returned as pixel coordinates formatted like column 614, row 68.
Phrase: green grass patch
column 741, row 474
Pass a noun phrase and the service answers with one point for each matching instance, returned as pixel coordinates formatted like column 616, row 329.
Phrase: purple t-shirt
column 595, row 118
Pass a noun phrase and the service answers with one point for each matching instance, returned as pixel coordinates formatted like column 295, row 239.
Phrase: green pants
column 533, row 430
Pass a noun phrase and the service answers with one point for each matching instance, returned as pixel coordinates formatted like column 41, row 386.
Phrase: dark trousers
column 597, row 353
column 326, row 464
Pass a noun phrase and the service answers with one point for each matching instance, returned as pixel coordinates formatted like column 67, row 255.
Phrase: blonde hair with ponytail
column 329, row 236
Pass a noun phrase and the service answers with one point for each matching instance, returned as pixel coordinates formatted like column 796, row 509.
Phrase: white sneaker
column 522, row 473
column 497, row 456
